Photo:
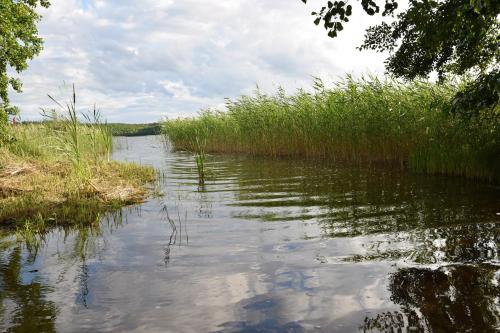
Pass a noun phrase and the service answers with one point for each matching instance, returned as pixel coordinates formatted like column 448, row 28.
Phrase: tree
column 445, row 36
column 19, row 42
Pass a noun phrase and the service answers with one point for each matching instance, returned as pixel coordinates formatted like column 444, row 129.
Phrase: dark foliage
column 447, row 37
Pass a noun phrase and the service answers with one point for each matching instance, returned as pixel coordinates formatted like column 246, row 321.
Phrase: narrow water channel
column 266, row 246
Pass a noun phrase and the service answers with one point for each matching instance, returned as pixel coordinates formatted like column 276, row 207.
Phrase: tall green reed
column 67, row 125
column 362, row 121
column 77, row 141
column 199, row 150
column 93, row 119
column 107, row 139
column 100, row 134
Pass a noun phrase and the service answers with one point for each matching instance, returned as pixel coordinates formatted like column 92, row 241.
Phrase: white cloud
column 140, row 60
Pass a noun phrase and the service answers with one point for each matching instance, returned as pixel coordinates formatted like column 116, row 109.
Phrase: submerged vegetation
column 59, row 170
column 358, row 121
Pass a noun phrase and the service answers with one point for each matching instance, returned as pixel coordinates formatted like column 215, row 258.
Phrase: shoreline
column 48, row 191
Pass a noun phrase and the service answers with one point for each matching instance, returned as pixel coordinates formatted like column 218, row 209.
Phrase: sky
column 143, row 60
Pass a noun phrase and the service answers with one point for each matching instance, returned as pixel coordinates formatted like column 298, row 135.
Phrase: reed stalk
column 199, row 150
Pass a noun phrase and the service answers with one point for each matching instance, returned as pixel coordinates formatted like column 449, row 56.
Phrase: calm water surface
column 266, row 246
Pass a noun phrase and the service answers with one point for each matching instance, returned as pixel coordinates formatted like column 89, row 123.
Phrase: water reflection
column 417, row 218
column 463, row 298
column 22, row 295
column 367, row 215
column 351, row 201
column 178, row 230
column 265, row 246
column 24, row 290
column 269, row 325
column 464, row 243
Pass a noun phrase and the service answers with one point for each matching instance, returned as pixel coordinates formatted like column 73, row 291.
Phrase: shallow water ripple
column 266, row 246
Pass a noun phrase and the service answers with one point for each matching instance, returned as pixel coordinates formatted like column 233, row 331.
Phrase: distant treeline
column 119, row 129
column 122, row 129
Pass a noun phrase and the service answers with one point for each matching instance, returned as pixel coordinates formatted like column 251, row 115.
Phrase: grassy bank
column 59, row 171
column 364, row 121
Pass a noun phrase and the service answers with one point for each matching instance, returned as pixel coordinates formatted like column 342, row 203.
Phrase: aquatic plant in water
column 199, row 150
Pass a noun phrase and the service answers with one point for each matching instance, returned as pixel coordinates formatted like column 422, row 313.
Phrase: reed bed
column 361, row 121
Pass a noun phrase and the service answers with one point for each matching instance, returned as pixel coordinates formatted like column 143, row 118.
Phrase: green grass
column 59, row 170
column 357, row 121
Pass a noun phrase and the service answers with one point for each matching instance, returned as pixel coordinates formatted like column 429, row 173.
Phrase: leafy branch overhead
column 338, row 12
column 443, row 36
column 19, row 40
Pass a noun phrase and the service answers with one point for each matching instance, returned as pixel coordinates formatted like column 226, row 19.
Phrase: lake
column 266, row 246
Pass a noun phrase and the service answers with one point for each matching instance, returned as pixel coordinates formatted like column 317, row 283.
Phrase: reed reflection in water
column 265, row 246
